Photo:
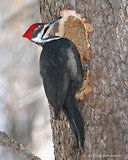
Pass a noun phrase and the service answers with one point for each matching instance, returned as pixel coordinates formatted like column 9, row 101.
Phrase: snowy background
column 24, row 112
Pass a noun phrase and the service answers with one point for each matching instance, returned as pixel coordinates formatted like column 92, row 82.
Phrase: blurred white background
column 24, row 112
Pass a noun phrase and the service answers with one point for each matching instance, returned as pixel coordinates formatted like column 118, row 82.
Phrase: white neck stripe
column 51, row 39
column 39, row 40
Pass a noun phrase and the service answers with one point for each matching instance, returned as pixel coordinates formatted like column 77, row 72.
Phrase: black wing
column 54, row 71
column 56, row 89
column 59, row 66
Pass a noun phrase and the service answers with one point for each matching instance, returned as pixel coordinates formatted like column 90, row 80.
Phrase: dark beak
column 54, row 21
column 48, row 27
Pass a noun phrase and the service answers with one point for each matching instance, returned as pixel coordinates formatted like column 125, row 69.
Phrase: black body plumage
column 61, row 71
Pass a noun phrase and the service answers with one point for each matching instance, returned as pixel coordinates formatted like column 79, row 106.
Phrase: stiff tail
column 75, row 120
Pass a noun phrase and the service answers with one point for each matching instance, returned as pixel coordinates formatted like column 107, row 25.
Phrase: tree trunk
column 104, row 107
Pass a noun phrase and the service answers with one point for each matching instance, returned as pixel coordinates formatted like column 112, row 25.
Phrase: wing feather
column 56, row 89
column 55, row 78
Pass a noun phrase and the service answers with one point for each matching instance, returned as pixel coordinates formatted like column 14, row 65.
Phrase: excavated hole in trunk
column 76, row 28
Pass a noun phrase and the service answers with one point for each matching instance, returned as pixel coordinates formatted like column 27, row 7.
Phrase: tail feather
column 80, row 126
column 72, row 125
column 75, row 120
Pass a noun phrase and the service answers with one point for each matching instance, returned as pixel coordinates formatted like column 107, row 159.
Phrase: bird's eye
column 40, row 26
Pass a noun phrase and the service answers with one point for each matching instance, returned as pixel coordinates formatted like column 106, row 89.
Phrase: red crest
column 28, row 34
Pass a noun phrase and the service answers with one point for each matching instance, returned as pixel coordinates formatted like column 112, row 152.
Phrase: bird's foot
column 85, row 66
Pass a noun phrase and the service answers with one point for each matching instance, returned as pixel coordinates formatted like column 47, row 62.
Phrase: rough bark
column 105, row 108
column 17, row 147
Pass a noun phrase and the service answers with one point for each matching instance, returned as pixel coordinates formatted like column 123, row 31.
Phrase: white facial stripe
column 51, row 39
column 39, row 40
column 44, row 39
column 41, row 33
column 48, row 31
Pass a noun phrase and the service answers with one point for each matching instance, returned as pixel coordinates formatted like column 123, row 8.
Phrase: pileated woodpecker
column 61, row 71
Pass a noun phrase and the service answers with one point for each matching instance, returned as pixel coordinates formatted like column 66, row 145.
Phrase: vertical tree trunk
column 104, row 108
